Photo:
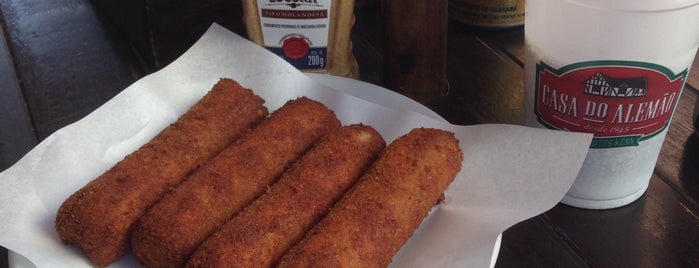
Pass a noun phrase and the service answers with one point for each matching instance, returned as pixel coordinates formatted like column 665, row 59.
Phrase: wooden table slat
column 367, row 45
column 677, row 163
column 655, row 231
column 483, row 82
column 526, row 245
column 693, row 80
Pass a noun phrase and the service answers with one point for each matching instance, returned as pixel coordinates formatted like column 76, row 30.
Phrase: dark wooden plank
column 465, row 100
column 415, row 48
column 533, row 243
column 367, row 44
column 655, row 231
column 677, row 163
column 66, row 63
column 484, row 82
column 693, row 80
column 693, row 84
column 509, row 42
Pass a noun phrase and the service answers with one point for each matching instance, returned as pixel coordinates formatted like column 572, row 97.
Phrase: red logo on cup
column 621, row 102
column 295, row 47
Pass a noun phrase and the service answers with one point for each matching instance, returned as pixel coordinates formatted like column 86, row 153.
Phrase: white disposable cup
column 597, row 66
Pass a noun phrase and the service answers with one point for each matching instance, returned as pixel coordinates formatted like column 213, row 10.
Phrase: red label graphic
column 294, row 14
column 621, row 102
column 295, row 47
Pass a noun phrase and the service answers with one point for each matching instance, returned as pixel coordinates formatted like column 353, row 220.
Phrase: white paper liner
column 509, row 174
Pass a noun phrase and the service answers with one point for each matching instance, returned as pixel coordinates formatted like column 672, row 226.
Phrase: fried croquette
column 383, row 209
column 98, row 218
column 174, row 227
column 265, row 230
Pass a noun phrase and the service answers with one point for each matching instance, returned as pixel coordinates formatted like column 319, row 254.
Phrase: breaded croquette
column 98, row 218
column 174, row 227
column 266, row 229
column 383, row 209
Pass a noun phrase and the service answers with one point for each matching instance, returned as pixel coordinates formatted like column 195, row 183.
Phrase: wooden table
column 59, row 61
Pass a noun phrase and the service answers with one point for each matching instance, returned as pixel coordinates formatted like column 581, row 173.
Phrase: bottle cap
column 295, row 47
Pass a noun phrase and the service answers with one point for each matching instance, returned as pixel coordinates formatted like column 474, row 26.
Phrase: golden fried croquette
column 265, row 230
column 98, row 218
column 383, row 209
column 170, row 231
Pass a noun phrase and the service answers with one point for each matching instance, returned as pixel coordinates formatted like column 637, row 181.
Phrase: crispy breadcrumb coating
column 266, row 229
column 98, row 218
column 174, row 227
column 380, row 213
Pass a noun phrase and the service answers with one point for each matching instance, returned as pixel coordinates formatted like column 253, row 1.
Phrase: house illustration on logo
column 604, row 85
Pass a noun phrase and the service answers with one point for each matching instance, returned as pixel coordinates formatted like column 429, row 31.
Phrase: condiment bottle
column 312, row 35
column 489, row 14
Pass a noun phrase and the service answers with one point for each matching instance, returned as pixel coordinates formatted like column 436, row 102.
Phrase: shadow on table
column 689, row 170
column 3, row 257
